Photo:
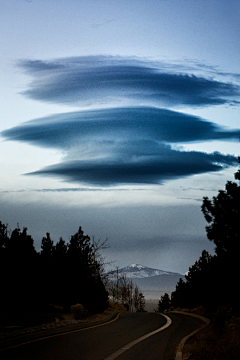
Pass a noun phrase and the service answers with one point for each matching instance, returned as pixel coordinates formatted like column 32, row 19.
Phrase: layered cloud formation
column 168, row 164
column 119, row 125
column 130, row 144
column 100, row 79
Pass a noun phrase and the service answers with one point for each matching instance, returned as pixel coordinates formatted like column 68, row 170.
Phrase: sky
column 119, row 117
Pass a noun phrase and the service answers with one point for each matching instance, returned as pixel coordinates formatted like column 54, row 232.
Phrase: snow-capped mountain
column 153, row 282
column 137, row 271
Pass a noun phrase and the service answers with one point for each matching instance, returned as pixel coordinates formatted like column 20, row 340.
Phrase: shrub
column 110, row 303
column 55, row 308
column 219, row 340
column 120, row 307
column 78, row 312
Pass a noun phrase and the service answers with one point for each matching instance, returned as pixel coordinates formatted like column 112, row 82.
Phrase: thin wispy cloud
column 63, row 190
column 105, row 79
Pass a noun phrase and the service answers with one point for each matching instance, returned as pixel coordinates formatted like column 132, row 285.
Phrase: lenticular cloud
column 105, row 80
column 118, row 125
column 135, row 142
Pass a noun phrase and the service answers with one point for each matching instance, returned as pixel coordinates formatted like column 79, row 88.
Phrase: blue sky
column 119, row 117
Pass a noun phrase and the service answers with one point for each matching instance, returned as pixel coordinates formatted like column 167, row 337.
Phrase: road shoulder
column 52, row 329
column 206, row 322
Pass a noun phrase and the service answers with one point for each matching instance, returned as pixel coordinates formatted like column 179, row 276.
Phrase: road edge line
column 183, row 341
column 62, row 333
column 132, row 343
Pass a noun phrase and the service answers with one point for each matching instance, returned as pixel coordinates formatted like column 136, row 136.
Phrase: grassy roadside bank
column 220, row 340
column 13, row 325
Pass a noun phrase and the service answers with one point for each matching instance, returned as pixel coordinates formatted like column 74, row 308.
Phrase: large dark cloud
column 124, row 145
column 102, row 79
column 142, row 124
column 130, row 138
column 167, row 164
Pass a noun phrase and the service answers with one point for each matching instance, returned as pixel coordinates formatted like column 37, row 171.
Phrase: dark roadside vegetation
column 62, row 282
column 211, row 286
column 46, row 286
column 40, row 286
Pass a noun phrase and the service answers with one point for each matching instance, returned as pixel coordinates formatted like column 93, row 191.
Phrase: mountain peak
column 135, row 266
column 140, row 271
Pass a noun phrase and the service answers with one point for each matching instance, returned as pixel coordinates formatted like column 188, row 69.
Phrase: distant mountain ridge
column 153, row 282
column 137, row 271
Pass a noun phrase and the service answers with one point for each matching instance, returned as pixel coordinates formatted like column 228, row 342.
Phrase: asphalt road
column 98, row 343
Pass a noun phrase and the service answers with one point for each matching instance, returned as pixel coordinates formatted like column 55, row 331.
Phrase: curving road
column 102, row 342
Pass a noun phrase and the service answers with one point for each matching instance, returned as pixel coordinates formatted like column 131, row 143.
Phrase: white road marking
column 182, row 342
column 131, row 344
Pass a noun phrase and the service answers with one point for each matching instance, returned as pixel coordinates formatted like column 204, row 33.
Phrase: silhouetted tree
column 85, row 282
column 61, row 274
column 199, row 281
column 3, row 237
column 60, row 251
column 80, row 252
column 179, row 297
column 121, row 289
column 3, row 246
column 98, row 260
column 47, row 270
column 47, row 248
column 3, row 264
column 200, row 287
column 20, row 272
column 138, row 299
column 213, row 280
column 164, row 303
column 223, row 214
column 59, row 271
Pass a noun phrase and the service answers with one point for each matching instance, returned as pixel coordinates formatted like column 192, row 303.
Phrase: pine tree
column 164, row 303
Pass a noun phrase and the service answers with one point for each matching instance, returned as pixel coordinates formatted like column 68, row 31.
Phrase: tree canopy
column 62, row 274
column 164, row 303
column 213, row 280
column 223, row 214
